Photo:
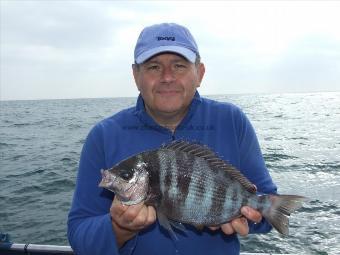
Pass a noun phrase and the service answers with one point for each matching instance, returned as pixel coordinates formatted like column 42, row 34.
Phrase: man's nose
column 168, row 75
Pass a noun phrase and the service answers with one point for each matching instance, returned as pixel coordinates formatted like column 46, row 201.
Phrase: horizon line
column 212, row 94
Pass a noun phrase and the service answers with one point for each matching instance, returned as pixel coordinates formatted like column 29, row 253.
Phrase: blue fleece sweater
column 221, row 126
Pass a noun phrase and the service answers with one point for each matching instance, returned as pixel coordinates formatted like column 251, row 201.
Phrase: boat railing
column 9, row 248
column 39, row 249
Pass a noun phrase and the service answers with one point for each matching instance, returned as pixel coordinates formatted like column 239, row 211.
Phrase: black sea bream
column 188, row 183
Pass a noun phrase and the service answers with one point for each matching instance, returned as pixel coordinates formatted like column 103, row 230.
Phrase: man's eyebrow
column 180, row 60
column 151, row 61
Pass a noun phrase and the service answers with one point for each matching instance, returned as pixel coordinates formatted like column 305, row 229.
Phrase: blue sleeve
column 89, row 223
column 253, row 166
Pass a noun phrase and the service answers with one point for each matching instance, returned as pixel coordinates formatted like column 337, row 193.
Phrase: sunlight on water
column 40, row 143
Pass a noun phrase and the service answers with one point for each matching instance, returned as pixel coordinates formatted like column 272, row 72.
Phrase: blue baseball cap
column 165, row 37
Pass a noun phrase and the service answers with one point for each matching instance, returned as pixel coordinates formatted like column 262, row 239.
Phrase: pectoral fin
column 169, row 225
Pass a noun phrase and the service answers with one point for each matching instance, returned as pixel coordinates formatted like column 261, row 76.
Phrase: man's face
column 167, row 83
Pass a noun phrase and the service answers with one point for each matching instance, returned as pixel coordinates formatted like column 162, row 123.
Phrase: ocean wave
column 40, row 152
column 273, row 157
column 315, row 206
column 21, row 124
column 28, row 189
column 4, row 145
column 328, row 167
column 56, row 186
column 21, row 173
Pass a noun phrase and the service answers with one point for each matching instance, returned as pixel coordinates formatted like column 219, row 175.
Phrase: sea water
column 40, row 144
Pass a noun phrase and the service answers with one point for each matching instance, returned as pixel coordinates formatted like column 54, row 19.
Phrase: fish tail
column 281, row 207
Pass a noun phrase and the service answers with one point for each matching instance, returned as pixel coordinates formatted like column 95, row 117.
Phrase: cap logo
column 166, row 38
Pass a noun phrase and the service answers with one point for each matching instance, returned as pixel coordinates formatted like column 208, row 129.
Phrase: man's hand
column 127, row 221
column 240, row 225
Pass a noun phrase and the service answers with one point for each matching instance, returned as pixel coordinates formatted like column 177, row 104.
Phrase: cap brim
column 185, row 52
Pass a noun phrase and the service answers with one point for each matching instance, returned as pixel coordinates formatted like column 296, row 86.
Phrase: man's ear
column 135, row 71
column 200, row 73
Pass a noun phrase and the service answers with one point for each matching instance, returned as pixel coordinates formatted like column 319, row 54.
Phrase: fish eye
column 126, row 175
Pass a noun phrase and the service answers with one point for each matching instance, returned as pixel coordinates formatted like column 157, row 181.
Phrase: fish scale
column 189, row 183
column 199, row 199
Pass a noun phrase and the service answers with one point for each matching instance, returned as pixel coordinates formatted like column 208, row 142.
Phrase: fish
column 188, row 183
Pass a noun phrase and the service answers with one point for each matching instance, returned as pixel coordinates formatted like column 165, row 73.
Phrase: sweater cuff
column 129, row 246
column 259, row 228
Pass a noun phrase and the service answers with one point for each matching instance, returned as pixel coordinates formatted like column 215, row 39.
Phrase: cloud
column 312, row 63
column 67, row 49
column 62, row 50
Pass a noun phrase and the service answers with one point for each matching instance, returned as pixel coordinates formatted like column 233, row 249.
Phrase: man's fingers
column 133, row 217
column 240, row 225
column 151, row 215
column 145, row 217
column 227, row 229
column 214, row 228
column 127, row 220
column 141, row 219
column 117, row 208
column 122, row 214
column 251, row 214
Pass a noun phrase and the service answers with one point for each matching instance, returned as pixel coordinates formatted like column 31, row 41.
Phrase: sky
column 84, row 49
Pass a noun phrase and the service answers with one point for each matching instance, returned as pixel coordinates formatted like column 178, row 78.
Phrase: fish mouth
column 107, row 180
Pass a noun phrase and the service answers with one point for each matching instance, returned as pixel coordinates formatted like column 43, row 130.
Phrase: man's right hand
column 128, row 220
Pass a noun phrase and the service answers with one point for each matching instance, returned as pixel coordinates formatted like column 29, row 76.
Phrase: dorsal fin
column 202, row 151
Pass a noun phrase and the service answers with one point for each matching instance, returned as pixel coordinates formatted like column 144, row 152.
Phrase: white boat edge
column 59, row 249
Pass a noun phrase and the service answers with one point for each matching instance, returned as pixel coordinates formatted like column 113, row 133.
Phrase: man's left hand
column 240, row 225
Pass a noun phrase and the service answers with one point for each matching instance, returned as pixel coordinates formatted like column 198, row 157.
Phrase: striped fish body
column 188, row 183
column 191, row 190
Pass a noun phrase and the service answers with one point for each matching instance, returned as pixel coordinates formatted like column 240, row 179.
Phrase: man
column 167, row 72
